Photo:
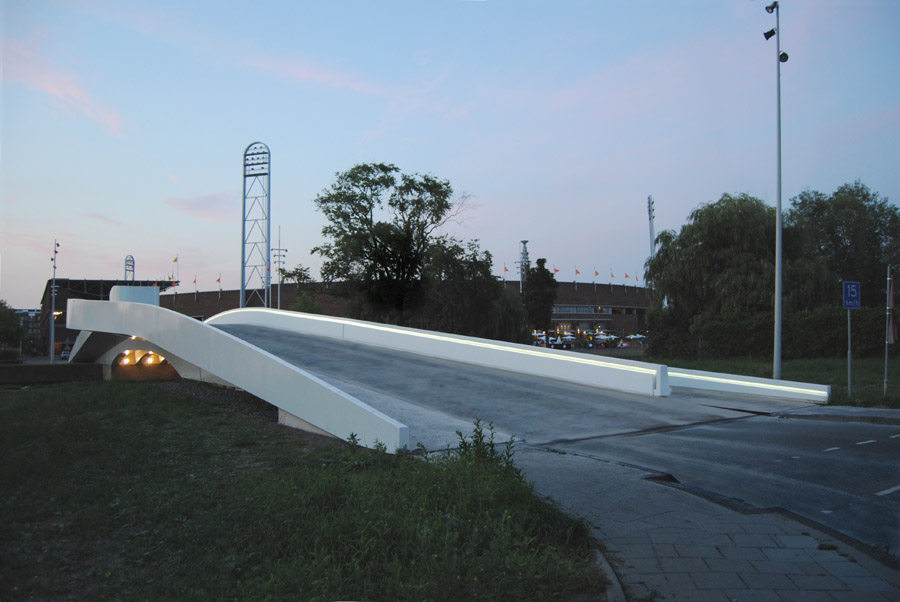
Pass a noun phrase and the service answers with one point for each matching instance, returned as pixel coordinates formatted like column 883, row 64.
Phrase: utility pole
column 652, row 213
column 53, row 304
column 279, row 254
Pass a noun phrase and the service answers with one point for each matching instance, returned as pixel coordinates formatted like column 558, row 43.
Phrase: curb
column 614, row 592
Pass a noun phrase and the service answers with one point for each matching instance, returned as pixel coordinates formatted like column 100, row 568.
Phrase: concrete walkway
column 666, row 544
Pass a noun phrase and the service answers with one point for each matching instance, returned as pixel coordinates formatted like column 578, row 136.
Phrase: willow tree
column 713, row 281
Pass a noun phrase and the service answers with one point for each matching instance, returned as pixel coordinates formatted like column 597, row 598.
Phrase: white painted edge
column 241, row 364
column 607, row 373
column 751, row 385
column 643, row 378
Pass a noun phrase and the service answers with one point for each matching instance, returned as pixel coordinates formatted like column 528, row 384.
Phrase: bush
column 813, row 333
column 822, row 332
column 743, row 336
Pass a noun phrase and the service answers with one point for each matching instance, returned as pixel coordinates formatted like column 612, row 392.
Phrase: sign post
column 852, row 300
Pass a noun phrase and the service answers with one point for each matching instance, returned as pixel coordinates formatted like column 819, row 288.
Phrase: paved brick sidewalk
column 664, row 543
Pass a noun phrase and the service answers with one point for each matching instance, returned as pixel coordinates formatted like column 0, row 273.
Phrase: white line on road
column 830, row 449
column 865, row 442
column 895, row 436
column 889, row 491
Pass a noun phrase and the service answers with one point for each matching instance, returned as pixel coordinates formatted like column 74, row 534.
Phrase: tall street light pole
column 53, row 304
column 279, row 254
column 780, row 57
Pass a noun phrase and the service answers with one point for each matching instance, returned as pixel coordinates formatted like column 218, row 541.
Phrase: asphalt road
column 834, row 466
column 839, row 471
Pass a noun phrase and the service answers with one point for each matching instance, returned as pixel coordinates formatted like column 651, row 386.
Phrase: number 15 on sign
column 852, row 296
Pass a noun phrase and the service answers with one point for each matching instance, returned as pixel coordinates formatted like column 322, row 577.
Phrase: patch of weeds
column 480, row 448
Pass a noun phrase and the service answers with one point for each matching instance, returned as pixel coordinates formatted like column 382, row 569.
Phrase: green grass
column 122, row 490
column 868, row 376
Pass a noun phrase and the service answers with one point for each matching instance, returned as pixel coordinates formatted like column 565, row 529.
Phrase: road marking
column 889, row 491
column 865, row 442
column 895, row 436
column 831, row 449
column 826, row 511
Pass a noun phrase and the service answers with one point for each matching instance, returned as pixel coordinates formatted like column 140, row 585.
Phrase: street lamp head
column 771, row 8
column 769, row 33
column 783, row 57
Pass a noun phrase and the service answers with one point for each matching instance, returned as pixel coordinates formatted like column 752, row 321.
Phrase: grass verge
column 126, row 490
column 868, row 376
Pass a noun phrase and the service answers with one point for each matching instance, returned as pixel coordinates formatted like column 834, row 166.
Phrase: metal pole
column 887, row 325
column 849, row 360
column 776, row 361
column 269, row 236
column 279, row 271
column 53, row 305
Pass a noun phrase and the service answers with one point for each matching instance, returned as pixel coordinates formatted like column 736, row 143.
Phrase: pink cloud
column 105, row 219
column 215, row 206
column 26, row 66
column 298, row 70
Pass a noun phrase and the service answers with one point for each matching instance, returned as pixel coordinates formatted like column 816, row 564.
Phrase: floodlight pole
column 776, row 355
column 53, row 304
column 888, row 324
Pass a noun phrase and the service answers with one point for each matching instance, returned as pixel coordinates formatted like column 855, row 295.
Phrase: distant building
column 205, row 304
column 68, row 288
column 30, row 321
column 615, row 308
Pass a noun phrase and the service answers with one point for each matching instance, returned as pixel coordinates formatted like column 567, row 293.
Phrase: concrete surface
column 665, row 543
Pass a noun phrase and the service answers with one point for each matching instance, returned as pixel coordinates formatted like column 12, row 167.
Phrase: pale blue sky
column 124, row 123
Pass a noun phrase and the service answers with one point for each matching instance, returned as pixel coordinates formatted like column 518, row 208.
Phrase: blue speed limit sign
column 852, row 295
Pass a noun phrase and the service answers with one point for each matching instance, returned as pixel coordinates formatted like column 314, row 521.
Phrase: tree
column 462, row 296
column 303, row 300
column 379, row 230
column 306, row 303
column 10, row 326
column 299, row 275
column 539, row 294
column 854, row 235
column 713, row 281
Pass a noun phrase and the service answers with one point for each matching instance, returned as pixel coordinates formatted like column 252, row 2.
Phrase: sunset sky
column 124, row 123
